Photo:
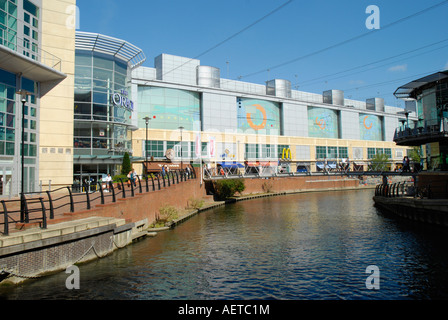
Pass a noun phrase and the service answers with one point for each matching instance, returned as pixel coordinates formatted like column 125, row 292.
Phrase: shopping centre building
column 87, row 97
column 103, row 108
column 185, row 112
column 258, row 125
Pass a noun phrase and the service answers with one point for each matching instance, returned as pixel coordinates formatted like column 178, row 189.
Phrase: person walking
column 131, row 178
column 108, row 181
column 405, row 164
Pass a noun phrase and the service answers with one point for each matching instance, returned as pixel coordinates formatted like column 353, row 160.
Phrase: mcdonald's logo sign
column 286, row 154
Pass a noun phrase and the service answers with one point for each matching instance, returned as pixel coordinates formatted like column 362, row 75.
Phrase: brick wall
column 146, row 205
column 291, row 184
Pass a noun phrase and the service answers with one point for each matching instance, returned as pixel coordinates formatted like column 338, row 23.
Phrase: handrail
column 35, row 206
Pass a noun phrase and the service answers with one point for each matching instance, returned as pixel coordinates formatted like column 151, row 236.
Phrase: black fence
column 402, row 189
column 399, row 189
column 33, row 208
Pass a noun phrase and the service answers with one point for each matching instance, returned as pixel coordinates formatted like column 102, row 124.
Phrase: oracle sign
column 121, row 99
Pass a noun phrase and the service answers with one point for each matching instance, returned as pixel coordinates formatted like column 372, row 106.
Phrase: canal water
column 311, row 246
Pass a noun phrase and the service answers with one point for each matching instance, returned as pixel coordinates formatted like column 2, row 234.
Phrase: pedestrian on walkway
column 108, row 181
column 131, row 178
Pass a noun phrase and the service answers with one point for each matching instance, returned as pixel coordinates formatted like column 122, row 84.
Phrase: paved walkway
column 60, row 200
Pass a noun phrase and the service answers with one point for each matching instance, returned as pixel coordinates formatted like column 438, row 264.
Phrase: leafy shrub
column 165, row 216
column 229, row 187
column 195, row 203
column 118, row 176
column 267, row 186
column 168, row 213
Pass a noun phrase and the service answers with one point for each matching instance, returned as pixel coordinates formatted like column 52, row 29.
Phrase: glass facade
column 432, row 105
column 103, row 108
column 331, row 152
column 157, row 149
column 168, row 108
column 258, row 116
column 7, row 113
column 323, row 123
column 30, row 30
column 266, row 151
column 371, row 152
column 11, row 132
column 8, row 23
column 371, row 127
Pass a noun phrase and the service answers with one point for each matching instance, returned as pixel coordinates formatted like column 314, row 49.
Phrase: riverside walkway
column 63, row 204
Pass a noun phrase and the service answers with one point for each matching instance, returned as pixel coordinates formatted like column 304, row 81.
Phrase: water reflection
column 304, row 246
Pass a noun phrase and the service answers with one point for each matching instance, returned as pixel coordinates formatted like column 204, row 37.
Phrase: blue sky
column 318, row 45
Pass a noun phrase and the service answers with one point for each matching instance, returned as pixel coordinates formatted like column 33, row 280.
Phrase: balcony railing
column 27, row 49
column 429, row 131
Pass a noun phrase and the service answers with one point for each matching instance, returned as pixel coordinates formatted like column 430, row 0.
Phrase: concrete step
column 59, row 229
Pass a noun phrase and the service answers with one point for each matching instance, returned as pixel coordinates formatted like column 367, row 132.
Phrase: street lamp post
column 146, row 144
column 23, row 217
column 181, row 165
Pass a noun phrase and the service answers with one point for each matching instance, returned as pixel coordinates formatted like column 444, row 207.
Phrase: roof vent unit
column 208, row 77
column 335, row 97
column 278, row 88
column 375, row 104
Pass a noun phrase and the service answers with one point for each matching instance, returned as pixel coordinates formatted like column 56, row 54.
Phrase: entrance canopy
column 408, row 90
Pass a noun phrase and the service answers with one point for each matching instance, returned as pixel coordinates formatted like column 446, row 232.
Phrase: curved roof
column 112, row 46
column 407, row 90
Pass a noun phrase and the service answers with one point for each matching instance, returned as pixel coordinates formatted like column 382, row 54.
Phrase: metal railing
column 25, row 48
column 406, row 189
column 427, row 128
column 38, row 208
column 393, row 190
column 233, row 169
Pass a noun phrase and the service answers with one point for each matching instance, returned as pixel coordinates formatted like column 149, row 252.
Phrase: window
column 204, row 149
column 104, row 63
column 332, row 152
column 371, row 153
column 379, row 151
column 7, row 118
column 268, row 151
column 321, row 152
column 251, row 151
column 343, row 152
column 9, row 148
column 31, row 8
column 27, row 18
column 155, row 149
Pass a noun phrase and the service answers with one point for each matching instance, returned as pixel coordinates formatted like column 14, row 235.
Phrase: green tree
column 380, row 162
column 414, row 154
column 126, row 166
